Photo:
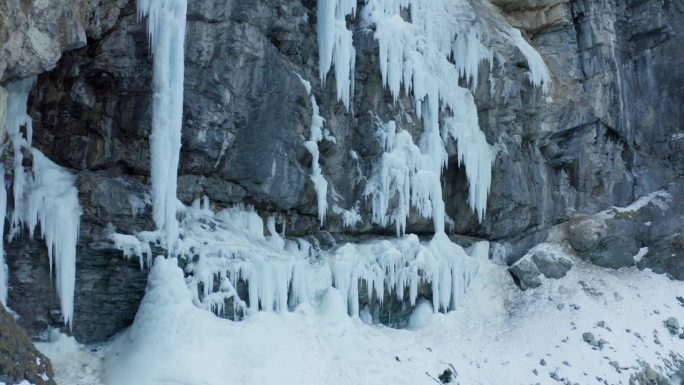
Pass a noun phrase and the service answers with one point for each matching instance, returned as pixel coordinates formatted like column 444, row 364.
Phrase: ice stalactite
column 166, row 28
column 415, row 55
column 336, row 45
column 402, row 265
column 226, row 248
column 44, row 195
column 426, row 47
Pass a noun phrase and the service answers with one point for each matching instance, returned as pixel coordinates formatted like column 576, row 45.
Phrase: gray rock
column 3, row 113
column 590, row 339
column 19, row 358
column 672, row 324
column 539, row 261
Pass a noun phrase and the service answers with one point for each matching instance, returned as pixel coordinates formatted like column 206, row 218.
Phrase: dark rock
column 539, row 261
column 672, row 325
column 19, row 359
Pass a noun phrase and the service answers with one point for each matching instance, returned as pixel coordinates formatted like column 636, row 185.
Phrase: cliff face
column 608, row 132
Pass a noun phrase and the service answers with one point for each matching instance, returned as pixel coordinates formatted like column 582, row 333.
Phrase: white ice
column 336, row 47
column 45, row 195
column 166, row 27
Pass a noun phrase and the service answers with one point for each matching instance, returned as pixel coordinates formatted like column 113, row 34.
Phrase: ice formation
column 228, row 248
column 336, row 46
column 45, row 195
column 316, row 135
column 166, row 27
column 426, row 53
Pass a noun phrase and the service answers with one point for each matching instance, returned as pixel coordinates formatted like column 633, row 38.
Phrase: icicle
column 408, row 176
column 335, row 45
column 426, row 54
column 51, row 200
column 44, row 195
column 403, row 264
column 166, row 26
column 539, row 73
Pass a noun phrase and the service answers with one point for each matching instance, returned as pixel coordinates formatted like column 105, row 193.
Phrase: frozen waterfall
column 425, row 47
column 166, row 27
column 44, row 195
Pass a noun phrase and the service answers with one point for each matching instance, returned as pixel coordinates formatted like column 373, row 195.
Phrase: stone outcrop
column 608, row 133
column 19, row 359
column 540, row 261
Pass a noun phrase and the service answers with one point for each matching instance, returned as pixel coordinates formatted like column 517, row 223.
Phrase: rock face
column 608, row 132
column 19, row 359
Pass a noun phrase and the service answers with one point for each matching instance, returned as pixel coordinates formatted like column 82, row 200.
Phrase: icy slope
column 499, row 336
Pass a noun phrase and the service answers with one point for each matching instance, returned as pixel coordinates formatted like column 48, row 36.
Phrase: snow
column 73, row 364
column 421, row 315
column 659, row 199
column 166, row 26
column 350, row 218
column 641, row 254
column 131, row 246
column 498, row 336
column 45, row 195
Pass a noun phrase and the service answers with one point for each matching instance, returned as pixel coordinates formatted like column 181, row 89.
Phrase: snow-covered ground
column 499, row 335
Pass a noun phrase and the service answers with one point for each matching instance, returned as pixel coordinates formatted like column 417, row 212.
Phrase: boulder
column 544, row 260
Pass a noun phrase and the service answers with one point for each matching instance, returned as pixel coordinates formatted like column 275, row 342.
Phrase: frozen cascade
column 166, row 28
column 440, row 43
column 44, row 195
column 336, row 46
column 228, row 248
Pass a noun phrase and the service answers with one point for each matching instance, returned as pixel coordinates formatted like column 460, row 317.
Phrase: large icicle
column 45, row 195
column 166, row 27
column 336, row 46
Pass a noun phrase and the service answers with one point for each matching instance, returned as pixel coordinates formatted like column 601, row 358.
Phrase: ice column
column 166, row 27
